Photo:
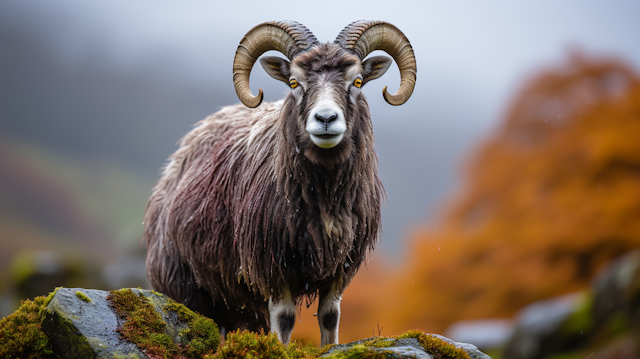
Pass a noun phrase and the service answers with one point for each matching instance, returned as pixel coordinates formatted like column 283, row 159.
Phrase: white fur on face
column 326, row 135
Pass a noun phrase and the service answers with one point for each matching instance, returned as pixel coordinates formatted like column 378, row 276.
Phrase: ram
column 263, row 206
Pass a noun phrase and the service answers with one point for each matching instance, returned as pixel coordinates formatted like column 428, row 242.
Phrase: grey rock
column 408, row 348
column 408, row 352
column 85, row 330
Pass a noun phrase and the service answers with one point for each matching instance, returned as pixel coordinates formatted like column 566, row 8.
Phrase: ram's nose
column 326, row 117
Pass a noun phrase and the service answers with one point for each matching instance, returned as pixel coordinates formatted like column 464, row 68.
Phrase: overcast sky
column 472, row 57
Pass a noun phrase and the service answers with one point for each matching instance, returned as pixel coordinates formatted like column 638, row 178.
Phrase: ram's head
column 325, row 79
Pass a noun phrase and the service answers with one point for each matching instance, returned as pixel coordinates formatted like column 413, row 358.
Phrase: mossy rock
column 412, row 344
column 163, row 327
column 127, row 323
column 135, row 323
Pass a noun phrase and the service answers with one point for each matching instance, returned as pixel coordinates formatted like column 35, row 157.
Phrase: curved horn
column 288, row 37
column 365, row 36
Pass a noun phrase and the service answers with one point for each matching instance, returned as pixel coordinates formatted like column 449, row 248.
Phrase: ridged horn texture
column 365, row 36
column 288, row 37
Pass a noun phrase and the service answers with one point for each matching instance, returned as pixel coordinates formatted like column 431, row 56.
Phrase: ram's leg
column 329, row 313
column 282, row 316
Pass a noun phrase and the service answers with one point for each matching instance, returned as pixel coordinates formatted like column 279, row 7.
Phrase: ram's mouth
column 326, row 136
column 326, row 140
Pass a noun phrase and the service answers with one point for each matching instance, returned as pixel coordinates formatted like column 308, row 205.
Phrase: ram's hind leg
column 329, row 312
column 282, row 316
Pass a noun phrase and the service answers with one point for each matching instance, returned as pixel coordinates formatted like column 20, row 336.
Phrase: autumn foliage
column 548, row 199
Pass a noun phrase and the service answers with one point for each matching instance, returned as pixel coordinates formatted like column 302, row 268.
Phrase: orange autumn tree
column 549, row 199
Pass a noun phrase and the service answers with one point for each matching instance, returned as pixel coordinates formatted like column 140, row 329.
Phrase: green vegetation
column 21, row 333
column 202, row 334
column 145, row 327
column 380, row 342
column 360, row 351
column 250, row 345
column 435, row 345
column 245, row 344
column 83, row 296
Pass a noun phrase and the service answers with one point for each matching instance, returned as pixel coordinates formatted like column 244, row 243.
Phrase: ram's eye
column 293, row 83
column 357, row 83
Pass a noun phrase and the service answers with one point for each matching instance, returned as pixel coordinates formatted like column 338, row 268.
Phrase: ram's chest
column 333, row 226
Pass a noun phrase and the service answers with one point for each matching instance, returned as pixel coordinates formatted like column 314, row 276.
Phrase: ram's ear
column 276, row 67
column 375, row 67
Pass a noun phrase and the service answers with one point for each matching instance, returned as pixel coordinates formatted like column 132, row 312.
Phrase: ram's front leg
column 282, row 316
column 329, row 312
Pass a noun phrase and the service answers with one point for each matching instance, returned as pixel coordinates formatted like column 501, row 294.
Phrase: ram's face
column 325, row 83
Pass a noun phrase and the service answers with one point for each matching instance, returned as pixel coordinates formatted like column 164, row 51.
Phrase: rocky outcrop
column 136, row 323
column 84, row 326
column 413, row 344
column 87, row 323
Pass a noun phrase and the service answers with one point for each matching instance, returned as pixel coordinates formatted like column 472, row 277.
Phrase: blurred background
column 512, row 174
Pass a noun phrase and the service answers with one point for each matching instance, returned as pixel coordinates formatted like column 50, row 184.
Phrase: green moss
column 325, row 349
column 380, row 342
column 202, row 334
column 298, row 350
column 119, row 355
column 184, row 313
column 249, row 345
column 435, row 345
column 245, row 344
column 360, row 351
column 47, row 300
column 21, row 333
column 146, row 328
column 142, row 324
column 83, row 296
